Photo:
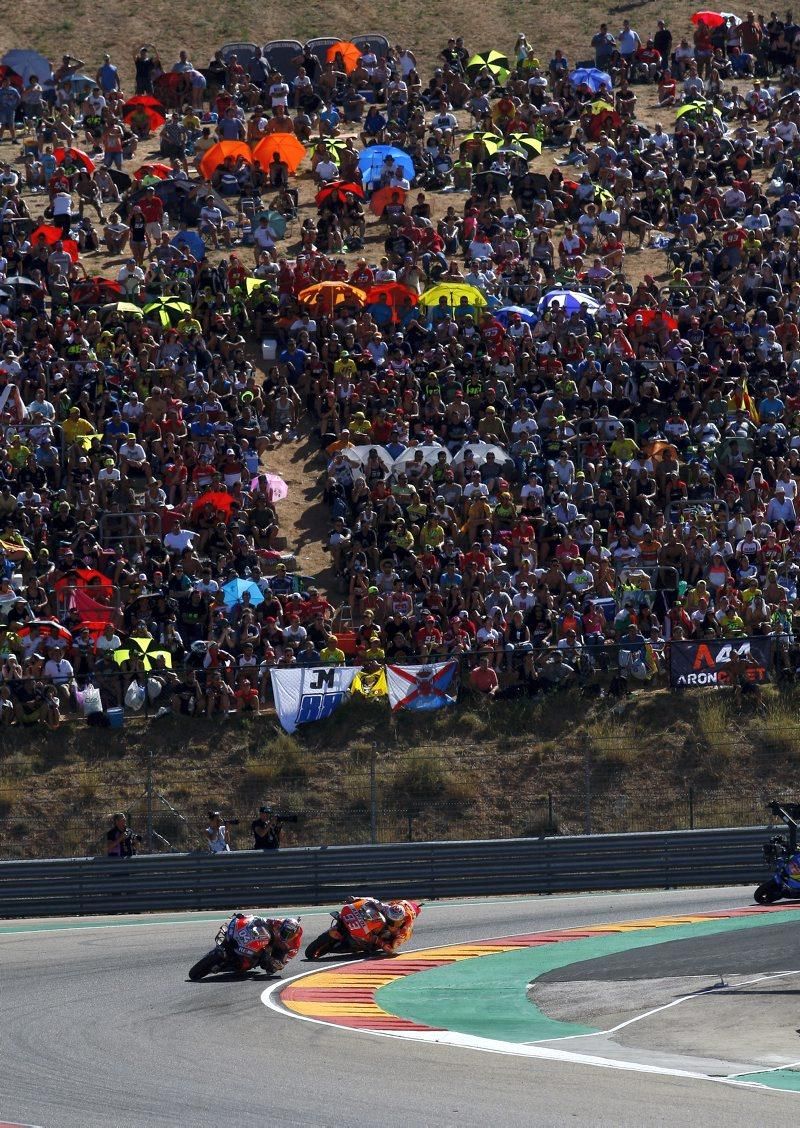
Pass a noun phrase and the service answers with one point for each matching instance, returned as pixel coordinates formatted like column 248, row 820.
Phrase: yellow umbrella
column 454, row 292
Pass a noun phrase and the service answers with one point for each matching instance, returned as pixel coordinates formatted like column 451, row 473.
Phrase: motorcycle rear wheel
column 205, row 966
column 768, row 893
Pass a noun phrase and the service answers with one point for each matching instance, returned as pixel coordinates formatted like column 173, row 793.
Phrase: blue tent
column 372, row 160
column 235, row 589
column 591, row 77
column 26, row 63
column 192, row 241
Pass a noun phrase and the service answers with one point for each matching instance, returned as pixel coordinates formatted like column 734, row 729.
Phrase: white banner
column 310, row 693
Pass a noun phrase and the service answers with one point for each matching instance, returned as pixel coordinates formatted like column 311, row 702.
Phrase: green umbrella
column 497, row 63
column 169, row 311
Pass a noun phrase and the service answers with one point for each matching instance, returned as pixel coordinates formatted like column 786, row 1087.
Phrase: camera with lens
column 278, row 816
column 131, row 837
column 217, row 815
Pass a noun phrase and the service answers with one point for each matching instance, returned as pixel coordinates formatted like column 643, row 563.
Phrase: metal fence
column 424, row 870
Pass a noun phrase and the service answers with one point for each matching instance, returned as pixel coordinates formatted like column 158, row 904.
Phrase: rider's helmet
column 394, row 914
column 289, row 928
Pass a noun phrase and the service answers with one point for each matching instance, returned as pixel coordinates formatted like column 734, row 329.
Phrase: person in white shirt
column 178, row 539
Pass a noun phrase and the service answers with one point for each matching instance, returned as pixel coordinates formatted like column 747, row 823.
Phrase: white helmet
column 394, row 914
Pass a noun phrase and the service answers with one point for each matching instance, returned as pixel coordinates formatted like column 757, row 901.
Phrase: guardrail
column 426, row 870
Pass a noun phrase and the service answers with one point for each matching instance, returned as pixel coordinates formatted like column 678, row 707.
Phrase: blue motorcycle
column 781, row 853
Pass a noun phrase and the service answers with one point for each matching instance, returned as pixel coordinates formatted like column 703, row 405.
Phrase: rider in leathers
column 399, row 917
column 286, row 935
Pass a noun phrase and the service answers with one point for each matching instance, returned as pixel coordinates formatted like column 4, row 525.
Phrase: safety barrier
column 426, row 870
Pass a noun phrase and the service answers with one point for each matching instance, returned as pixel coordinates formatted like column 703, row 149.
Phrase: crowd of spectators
column 538, row 486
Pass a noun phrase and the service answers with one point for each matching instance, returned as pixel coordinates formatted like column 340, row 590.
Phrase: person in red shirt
column 427, row 636
column 483, row 679
column 153, row 211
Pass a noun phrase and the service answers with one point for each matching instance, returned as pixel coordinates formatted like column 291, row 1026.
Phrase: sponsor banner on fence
column 310, row 693
column 421, row 687
column 719, row 661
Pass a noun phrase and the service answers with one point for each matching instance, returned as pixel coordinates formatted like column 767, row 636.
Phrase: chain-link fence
column 386, row 797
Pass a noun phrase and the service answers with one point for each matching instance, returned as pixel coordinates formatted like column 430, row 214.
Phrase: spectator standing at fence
column 217, row 834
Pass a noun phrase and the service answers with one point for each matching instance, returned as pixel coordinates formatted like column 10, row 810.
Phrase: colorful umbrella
column 531, row 145
column 217, row 499
column 169, row 311
column 373, row 159
column 453, row 292
column 74, row 158
column 253, row 284
column 699, row 107
column 495, row 61
column 648, row 316
column 714, row 19
column 592, row 77
column 571, row 300
column 277, row 489
column 217, row 154
column 326, row 296
column 233, row 591
column 145, row 649
column 191, row 241
column 386, row 196
column 155, row 114
column 158, row 170
column 12, row 76
column 286, row 145
column 350, row 54
column 337, row 190
column 53, row 235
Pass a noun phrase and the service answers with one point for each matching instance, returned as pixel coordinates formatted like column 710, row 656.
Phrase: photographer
column 266, row 830
column 120, row 843
column 217, row 834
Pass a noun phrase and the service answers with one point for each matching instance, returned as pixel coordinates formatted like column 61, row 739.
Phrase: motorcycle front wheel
column 209, row 963
column 768, row 893
column 321, row 946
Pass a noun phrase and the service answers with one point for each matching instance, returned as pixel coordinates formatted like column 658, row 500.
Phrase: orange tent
column 325, row 296
column 349, row 52
column 217, row 154
column 287, row 147
column 386, row 196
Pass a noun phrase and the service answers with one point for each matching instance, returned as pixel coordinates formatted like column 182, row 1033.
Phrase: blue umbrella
column 372, row 159
column 192, row 241
column 235, row 589
column 527, row 315
column 276, row 220
column 591, row 77
column 571, row 300
column 25, row 63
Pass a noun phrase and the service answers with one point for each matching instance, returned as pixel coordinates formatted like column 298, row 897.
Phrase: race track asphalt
column 100, row 1028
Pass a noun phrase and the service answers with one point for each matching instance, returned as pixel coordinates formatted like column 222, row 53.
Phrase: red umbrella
column 45, row 626
column 95, row 291
column 88, row 579
column 648, row 316
column 222, row 502
column 337, row 189
column 385, row 196
column 349, row 53
column 155, row 117
column 12, row 76
column 711, row 19
column 51, row 236
column 74, row 157
column 392, row 294
column 162, row 171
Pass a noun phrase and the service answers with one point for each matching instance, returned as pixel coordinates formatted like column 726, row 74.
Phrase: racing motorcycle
column 241, row 945
column 356, row 929
column 782, row 855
